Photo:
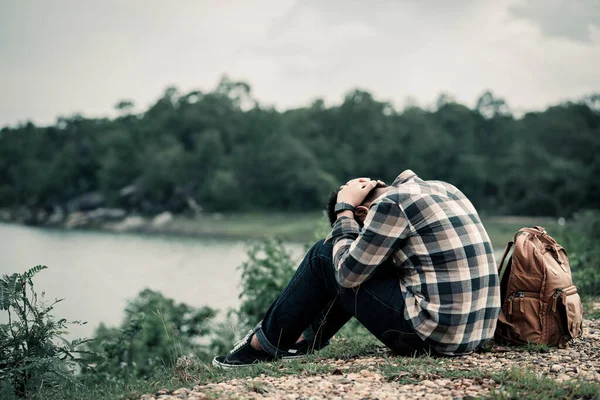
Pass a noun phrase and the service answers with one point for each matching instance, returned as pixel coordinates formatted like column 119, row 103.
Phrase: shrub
column 33, row 354
column 581, row 240
column 155, row 333
column 269, row 268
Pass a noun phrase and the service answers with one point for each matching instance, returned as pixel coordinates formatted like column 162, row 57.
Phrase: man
column 411, row 261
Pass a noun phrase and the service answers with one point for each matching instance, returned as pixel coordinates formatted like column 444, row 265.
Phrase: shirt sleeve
column 357, row 253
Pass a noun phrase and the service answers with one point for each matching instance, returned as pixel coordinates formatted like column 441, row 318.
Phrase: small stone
column 366, row 373
column 428, row 383
column 556, row 368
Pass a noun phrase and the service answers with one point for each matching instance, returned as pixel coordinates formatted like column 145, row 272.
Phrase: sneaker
column 243, row 355
column 298, row 350
column 302, row 349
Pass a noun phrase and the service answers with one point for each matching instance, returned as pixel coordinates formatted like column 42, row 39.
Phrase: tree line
column 223, row 151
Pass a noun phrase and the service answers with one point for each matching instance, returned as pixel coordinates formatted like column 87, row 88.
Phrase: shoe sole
column 219, row 364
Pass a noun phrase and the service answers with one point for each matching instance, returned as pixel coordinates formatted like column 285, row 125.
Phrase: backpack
column 540, row 304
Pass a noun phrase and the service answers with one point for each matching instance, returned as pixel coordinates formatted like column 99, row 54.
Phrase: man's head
column 361, row 211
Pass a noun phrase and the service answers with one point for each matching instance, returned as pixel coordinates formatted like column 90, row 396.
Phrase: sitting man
column 411, row 261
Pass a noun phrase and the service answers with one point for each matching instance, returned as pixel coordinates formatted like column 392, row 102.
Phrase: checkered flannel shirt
column 446, row 265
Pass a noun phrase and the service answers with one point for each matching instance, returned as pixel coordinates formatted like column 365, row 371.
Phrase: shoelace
column 241, row 342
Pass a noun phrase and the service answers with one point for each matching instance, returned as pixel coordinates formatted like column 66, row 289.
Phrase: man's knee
column 322, row 250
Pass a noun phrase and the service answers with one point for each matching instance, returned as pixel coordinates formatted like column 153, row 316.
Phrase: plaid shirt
column 446, row 265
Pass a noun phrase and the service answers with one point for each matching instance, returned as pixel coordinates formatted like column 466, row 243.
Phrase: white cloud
column 69, row 56
column 571, row 19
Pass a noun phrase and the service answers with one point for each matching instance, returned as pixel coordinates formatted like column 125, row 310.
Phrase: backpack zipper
column 510, row 300
column 521, row 296
column 555, row 299
column 557, row 258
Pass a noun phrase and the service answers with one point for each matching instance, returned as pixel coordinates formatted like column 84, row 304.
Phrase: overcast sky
column 65, row 56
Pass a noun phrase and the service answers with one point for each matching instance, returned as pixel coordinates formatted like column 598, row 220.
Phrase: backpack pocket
column 568, row 309
column 524, row 314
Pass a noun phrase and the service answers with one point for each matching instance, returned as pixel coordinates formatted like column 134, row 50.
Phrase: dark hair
column 331, row 206
column 331, row 202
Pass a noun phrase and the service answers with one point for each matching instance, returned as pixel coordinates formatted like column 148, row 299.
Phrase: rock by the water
column 57, row 216
column 87, row 202
column 162, row 219
column 41, row 216
column 129, row 223
column 76, row 220
column 107, row 214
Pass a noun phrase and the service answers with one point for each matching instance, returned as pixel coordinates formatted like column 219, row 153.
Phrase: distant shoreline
column 292, row 227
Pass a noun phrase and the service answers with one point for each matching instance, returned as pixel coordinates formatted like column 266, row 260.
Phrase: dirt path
column 383, row 376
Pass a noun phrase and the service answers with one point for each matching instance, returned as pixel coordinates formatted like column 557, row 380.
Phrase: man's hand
column 355, row 191
column 355, row 180
column 379, row 182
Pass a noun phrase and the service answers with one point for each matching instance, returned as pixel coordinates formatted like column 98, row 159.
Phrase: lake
column 97, row 273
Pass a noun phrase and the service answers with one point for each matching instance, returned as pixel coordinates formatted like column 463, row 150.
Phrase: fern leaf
column 32, row 271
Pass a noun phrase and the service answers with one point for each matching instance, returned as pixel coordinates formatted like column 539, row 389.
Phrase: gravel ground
column 361, row 378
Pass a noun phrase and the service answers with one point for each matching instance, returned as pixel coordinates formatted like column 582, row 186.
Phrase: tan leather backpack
column 540, row 304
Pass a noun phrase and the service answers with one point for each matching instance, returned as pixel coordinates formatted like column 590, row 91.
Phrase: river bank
column 292, row 227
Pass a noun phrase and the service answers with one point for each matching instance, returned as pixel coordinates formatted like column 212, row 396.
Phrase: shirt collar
column 404, row 177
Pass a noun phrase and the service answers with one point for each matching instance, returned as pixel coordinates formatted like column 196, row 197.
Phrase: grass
column 512, row 383
column 591, row 307
column 295, row 227
column 522, row 384
column 300, row 227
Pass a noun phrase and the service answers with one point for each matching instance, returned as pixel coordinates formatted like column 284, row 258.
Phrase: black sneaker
column 302, row 349
column 298, row 350
column 243, row 355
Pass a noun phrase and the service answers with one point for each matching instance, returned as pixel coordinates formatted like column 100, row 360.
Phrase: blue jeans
column 315, row 304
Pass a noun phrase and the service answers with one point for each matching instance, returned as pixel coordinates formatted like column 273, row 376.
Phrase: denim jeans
column 315, row 304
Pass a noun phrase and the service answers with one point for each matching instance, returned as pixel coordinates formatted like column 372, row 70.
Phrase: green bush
column 269, row 268
column 33, row 353
column 581, row 240
column 155, row 333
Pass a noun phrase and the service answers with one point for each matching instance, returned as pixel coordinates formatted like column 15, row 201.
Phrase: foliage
column 33, row 353
column 224, row 334
column 156, row 331
column 220, row 147
column 581, row 239
column 264, row 275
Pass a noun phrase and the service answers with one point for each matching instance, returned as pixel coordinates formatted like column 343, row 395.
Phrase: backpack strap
column 510, row 248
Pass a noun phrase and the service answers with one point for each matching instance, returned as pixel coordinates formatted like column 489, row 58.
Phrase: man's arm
column 357, row 253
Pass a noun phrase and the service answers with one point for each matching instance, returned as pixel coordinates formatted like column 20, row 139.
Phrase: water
column 97, row 273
